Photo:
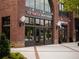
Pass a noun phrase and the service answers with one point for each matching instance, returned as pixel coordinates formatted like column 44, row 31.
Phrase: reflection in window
column 61, row 6
column 46, row 22
column 41, row 22
column 27, row 3
column 37, row 21
column 27, row 20
column 30, row 3
column 38, row 4
column 49, row 23
column 47, row 7
column 31, row 20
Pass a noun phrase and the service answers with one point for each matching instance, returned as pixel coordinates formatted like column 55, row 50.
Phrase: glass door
column 29, row 36
column 38, row 32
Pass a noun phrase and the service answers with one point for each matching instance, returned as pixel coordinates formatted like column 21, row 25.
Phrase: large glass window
column 61, row 6
column 47, row 7
column 38, row 4
column 30, row 3
column 42, row 4
column 38, row 29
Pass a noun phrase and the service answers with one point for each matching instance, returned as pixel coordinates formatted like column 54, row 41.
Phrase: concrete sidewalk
column 57, row 51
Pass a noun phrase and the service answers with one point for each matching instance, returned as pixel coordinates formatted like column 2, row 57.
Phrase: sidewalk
column 57, row 51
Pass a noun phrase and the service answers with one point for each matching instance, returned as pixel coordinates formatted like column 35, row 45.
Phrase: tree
column 71, row 5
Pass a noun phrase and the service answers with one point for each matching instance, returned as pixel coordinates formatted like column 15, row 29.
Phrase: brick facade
column 15, row 9
column 55, row 18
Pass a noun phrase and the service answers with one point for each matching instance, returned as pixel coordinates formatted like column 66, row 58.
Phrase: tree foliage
column 71, row 5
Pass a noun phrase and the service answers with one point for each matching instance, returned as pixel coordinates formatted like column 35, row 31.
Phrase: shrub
column 16, row 56
column 4, row 46
column 5, row 49
column 5, row 58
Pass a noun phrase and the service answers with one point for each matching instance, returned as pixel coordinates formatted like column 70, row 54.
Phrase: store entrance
column 37, row 34
column 77, row 28
column 63, row 34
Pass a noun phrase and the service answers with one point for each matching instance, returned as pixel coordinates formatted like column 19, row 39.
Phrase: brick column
column 55, row 18
column 72, row 27
column 73, row 23
column 68, row 32
column 17, row 32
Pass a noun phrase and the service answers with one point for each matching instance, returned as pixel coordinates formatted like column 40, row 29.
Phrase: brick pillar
column 73, row 23
column 55, row 17
column 0, row 23
column 68, row 32
column 17, row 32
column 72, row 27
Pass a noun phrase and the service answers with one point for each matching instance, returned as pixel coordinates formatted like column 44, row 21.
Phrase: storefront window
column 41, row 22
column 41, row 4
column 27, row 20
column 46, row 23
column 31, row 20
column 37, row 21
column 27, row 3
column 49, row 23
column 30, row 3
column 47, row 7
column 38, row 4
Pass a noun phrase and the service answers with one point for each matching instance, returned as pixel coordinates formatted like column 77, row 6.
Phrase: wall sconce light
column 61, row 23
column 22, row 21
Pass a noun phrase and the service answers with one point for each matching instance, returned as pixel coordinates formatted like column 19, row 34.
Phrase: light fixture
column 22, row 21
column 59, row 23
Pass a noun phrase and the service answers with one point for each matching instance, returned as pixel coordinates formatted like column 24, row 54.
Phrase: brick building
column 32, row 33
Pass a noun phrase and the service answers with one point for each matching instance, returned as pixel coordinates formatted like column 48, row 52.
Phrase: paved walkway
column 57, row 51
